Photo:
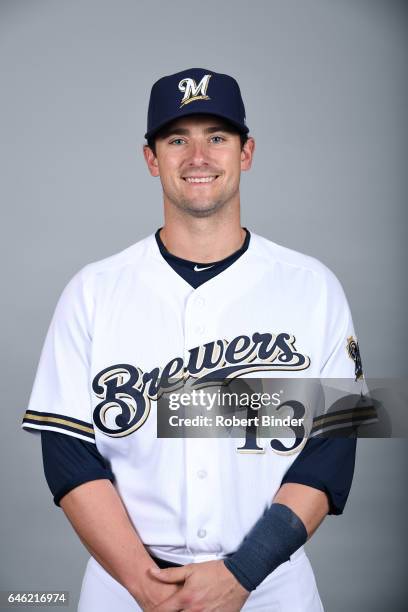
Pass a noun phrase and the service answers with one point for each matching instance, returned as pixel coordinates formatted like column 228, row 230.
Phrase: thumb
column 170, row 575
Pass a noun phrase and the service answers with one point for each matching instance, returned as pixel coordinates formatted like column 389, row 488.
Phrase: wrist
column 235, row 583
column 141, row 584
column 275, row 536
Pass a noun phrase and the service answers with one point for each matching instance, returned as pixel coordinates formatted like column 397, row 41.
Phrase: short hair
column 151, row 142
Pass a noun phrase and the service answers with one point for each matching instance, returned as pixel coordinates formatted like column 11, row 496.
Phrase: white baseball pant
column 290, row 588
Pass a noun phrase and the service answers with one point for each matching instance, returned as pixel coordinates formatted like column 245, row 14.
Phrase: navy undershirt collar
column 196, row 273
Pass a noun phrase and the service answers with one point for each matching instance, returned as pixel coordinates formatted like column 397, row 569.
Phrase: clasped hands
column 197, row 587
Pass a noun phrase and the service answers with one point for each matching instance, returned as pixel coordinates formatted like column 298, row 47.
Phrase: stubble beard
column 201, row 209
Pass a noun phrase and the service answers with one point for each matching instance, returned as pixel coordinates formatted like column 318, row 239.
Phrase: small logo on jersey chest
column 200, row 269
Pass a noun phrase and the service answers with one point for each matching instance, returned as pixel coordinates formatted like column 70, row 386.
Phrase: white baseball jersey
column 126, row 321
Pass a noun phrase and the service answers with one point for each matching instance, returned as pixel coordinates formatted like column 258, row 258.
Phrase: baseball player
column 207, row 523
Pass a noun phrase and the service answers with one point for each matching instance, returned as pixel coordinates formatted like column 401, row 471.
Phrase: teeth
column 206, row 179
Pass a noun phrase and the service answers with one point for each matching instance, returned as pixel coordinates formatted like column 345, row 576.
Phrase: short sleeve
column 341, row 357
column 347, row 404
column 61, row 396
column 69, row 462
column 326, row 464
column 328, row 457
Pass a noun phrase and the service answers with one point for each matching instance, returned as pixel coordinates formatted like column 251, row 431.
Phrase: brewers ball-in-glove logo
column 354, row 353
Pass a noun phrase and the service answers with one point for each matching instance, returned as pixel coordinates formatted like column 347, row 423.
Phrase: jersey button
column 202, row 474
column 200, row 329
column 200, row 302
column 201, row 533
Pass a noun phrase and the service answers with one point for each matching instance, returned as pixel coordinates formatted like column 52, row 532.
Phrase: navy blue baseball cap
column 193, row 91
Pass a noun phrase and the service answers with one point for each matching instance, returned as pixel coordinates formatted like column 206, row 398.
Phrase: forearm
column 98, row 516
column 285, row 526
column 309, row 504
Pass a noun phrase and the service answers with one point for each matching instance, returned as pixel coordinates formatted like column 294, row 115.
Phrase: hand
column 154, row 592
column 203, row 587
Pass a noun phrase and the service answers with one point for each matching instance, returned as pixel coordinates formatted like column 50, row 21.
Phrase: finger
column 170, row 575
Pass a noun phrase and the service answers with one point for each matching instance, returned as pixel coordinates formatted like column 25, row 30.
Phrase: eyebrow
column 186, row 132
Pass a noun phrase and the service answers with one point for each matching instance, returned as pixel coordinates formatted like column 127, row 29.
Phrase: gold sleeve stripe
column 350, row 414
column 45, row 420
column 57, row 421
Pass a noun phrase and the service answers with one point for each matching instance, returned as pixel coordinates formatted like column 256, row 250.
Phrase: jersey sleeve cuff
column 61, row 423
column 82, row 479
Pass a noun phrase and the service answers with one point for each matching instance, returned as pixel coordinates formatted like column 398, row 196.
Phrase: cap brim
column 243, row 129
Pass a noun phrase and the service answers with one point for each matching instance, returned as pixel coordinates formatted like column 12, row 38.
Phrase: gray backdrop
column 325, row 89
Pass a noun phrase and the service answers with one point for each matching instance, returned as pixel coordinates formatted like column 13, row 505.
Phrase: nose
column 198, row 155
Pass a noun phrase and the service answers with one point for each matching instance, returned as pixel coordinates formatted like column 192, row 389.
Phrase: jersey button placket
column 198, row 481
column 200, row 301
column 200, row 329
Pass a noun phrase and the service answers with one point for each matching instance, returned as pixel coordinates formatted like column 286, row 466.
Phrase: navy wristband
column 274, row 537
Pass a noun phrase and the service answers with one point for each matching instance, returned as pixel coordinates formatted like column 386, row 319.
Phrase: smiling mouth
column 199, row 179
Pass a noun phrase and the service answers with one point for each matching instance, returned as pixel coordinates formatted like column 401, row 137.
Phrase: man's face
column 199, row 161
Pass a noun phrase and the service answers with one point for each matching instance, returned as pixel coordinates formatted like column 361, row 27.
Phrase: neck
column 204, row 239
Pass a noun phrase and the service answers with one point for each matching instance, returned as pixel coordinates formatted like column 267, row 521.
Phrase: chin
column 201, row 209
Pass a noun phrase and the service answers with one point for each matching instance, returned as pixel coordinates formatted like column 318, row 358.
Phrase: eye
column 217, row 139
column 177, row 141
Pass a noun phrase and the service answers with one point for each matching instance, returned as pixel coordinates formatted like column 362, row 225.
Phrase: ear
column 247, row 154
column 151, row 160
